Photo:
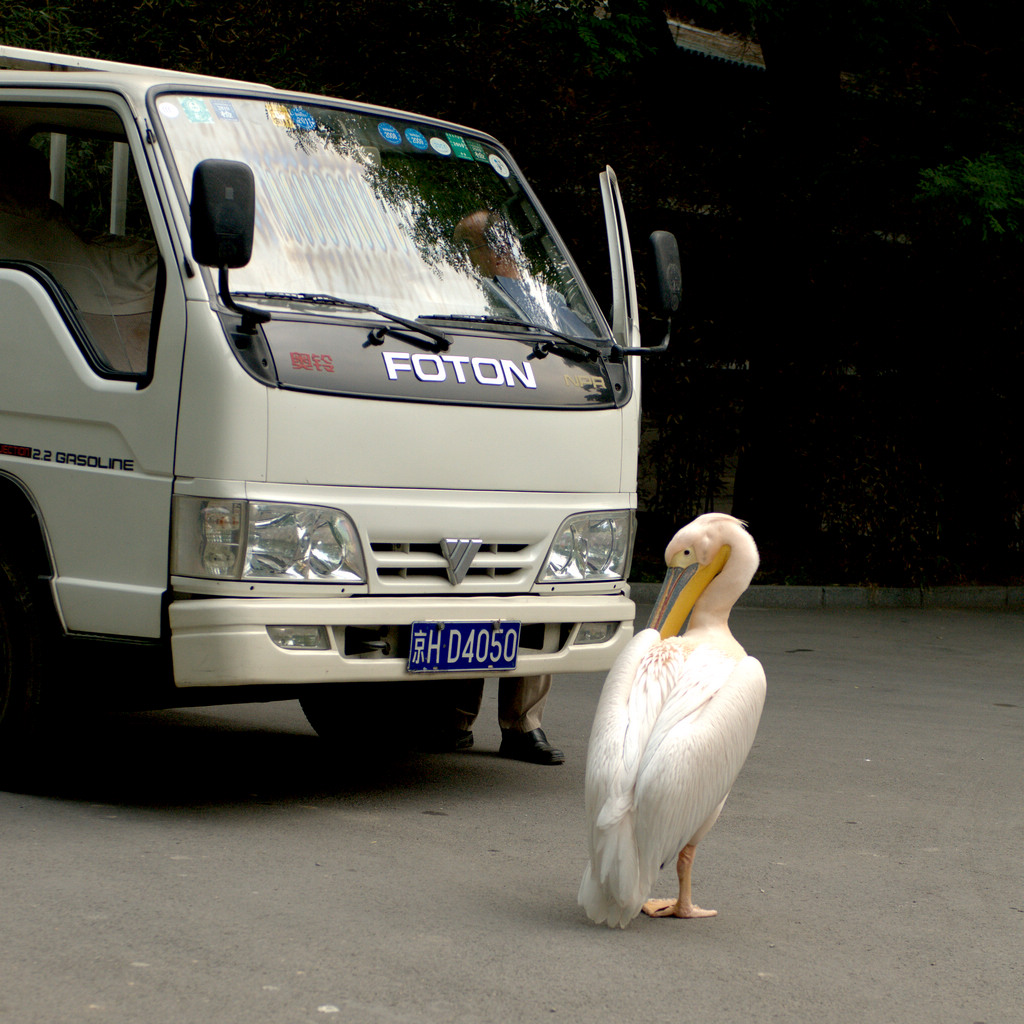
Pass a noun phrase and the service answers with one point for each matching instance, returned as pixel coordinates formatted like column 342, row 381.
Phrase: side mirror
column 223, row 213
column 668, row 271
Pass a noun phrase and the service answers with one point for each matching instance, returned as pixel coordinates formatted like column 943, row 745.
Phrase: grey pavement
column 218, row 865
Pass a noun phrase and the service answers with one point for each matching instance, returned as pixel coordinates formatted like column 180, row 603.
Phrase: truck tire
column 374, row 721
column 22, row 645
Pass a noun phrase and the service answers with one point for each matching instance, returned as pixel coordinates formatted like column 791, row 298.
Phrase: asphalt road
column 219, row 865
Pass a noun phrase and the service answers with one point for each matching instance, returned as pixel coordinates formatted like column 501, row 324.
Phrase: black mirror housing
column 668, row 271
column 223, row 213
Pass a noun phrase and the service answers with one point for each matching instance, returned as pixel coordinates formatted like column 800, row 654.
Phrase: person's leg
column 520, row 713
column 467, row 696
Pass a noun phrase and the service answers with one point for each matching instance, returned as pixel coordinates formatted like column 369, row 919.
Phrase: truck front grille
column 401, row 564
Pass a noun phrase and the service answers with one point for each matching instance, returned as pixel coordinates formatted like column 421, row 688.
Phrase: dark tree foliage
column 852, row 221
column 872, row 281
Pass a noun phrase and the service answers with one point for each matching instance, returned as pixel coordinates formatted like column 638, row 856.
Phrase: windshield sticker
column 223, row 109
column 389, row 133
column 458, row 143
column 302, row 119
column 196, row 110
column 479, row 153
column 279, row 115
column 415, row 138
column 499, row 165
column 440, row 146
column 168, row 109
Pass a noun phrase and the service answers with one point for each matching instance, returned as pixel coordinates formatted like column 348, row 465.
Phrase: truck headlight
column 589, row 548
column 258, row 540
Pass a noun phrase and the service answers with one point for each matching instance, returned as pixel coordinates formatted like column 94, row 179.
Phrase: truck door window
column 70, row 203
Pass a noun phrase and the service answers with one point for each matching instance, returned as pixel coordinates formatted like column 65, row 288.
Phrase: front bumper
column 224, row 641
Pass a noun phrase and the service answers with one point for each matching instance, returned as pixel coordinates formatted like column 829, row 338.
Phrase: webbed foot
column 672, row 908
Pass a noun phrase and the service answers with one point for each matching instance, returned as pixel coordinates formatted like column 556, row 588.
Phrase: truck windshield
column 415, row 218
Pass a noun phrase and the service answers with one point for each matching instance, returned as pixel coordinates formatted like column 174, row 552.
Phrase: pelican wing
column 609, row 887
column 693, row 756
column 613, row 754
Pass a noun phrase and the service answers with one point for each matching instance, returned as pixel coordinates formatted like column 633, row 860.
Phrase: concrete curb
column 836, row 597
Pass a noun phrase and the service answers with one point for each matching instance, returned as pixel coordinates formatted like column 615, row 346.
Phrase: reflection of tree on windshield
column 427, row 197
column 436, row 194
column 335, row 130
column 427, row 194
column 443, row 197
column 496, row 251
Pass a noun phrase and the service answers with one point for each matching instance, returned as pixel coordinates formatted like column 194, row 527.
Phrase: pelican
column 674, row 724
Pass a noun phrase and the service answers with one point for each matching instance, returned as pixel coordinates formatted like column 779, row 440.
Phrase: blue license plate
column 463, row 646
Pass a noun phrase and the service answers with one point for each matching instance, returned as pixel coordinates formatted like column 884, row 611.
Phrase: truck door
column 625, row 322
column 625, row 318
column 91, row 340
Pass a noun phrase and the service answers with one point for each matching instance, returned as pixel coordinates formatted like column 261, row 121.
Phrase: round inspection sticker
column 196, row 110
column 499, row 165
column 415, row 138
column 168, row 109
column 440, row 146
column 302, row 119
column 389, row 133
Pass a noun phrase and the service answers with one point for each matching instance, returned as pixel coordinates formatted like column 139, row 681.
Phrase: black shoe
column 529, row 746
column 462, row 739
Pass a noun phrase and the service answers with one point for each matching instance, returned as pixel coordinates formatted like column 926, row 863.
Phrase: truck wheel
column 373, row 720
column 21, row 659
column 344, row 717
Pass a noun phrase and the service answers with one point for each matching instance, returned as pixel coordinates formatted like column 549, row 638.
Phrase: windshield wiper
column 540, row 348
column 438, row 342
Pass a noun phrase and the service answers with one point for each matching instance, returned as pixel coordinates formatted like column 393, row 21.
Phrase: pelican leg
column 684, row 906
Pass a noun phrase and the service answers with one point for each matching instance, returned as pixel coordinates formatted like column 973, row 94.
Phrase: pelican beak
column 683, row 585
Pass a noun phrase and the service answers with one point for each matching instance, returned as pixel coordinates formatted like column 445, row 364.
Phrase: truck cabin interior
column 72, row 213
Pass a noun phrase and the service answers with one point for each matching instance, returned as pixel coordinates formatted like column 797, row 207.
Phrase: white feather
column 674, row 724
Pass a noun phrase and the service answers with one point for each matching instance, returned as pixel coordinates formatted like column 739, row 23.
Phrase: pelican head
column 695, row 556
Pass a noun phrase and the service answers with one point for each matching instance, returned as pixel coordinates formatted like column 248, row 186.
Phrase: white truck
column 397, row 446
